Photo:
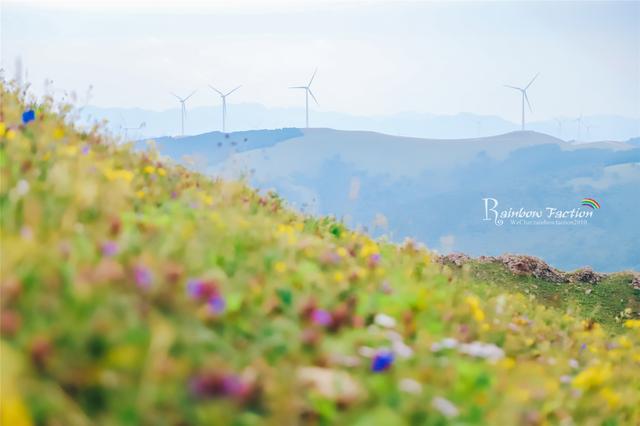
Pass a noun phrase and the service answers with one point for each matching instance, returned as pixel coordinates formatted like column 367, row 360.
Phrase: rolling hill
column 434, row 190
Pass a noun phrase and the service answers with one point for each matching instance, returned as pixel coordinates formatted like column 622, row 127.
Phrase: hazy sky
column 373, row 57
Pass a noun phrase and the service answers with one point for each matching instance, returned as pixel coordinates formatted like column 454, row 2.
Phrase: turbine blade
column 192, row 93
column 297, row 87
column 314, row 98
column 219, row 92
column 312, row 77
column 178, row 97
column 233, row 90
column 512, row 87
column 531, row 82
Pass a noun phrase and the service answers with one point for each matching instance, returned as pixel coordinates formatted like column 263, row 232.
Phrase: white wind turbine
column 578, row 127
column 560, row 123
column 523, row 91
column 183, row 109
column 307, row 92
column 224, row 105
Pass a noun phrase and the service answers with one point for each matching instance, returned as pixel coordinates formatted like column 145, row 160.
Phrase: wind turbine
column 579, row 127
column 559, row 121
column 307, row 92
column 224, row 105
column 183, row 109
column 523, row 91
column 126, row 129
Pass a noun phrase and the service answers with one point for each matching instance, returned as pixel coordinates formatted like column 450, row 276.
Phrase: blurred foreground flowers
column 136, row 292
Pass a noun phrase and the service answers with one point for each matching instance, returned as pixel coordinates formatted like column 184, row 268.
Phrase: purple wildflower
column 142, row 276
column 321, row 317
column 85, row 149
column 194, row 288
column 109, row 248
column 28, row 116
column 374, row 259
column 382, row 361
column 217, row 304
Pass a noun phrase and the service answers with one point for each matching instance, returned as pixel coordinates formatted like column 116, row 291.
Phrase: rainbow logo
column 590, row 202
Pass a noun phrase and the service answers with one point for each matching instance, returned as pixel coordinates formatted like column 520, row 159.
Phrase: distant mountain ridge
column 243, row 117
column 433, row 190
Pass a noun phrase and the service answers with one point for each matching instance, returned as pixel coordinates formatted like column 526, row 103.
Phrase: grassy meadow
column 137, row 292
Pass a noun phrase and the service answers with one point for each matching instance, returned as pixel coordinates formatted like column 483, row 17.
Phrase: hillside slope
column 139, row 292
column 434, row 190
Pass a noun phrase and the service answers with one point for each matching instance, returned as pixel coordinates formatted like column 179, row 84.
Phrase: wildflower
column 142, row 276
column 10, row 135
column 204, row 290
column 444, row 406
column 382, row 361
column 149, row 170
column 85, row 149
column 474, row 304
column 447, row 343
column 338, row 276
column 342, row 252
column 58, row 133
column 217, row 304
column 410, row 386
column 161, row 171
column 374, row 260
column 3, row 128
column 321, row 317
column 482, row 350
column 611, row 397
column 109, row 248
column 632, row 323
column 28, row 116
column 401, row 349
column 385, row 321
column 280, row 267
column 591, row 377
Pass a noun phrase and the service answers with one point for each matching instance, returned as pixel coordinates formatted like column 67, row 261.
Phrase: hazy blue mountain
column 253, row 116
column 433, row 190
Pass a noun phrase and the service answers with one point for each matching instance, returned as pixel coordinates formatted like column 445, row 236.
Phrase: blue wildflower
column 382, row 361
column 28, row 116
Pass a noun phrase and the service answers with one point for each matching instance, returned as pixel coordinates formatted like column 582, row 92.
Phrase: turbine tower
column 579, row 127
column 307, row 92
column 523, row 91
column 183, row 109
column 224, row 105
column 559, row 121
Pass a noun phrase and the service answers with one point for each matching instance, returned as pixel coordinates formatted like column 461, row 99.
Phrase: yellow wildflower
column 11, row 135
column 280, row 267
column 58, row 133
column 632, row 323
column 342, row 252
column 140, row 194
column 3, row 128
column 476, row 310
column 612, row 398
column 338, row 277
column 592, row 377
column 149, row 170
column 161, row 171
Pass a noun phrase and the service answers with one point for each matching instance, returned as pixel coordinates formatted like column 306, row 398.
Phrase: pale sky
column 373, row 56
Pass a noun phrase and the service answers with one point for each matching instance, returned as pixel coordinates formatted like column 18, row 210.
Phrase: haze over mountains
column 434, row 190
column 254, row 116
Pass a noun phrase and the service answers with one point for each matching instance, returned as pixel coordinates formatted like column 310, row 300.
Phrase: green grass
column 134, row 291
column 604, row 302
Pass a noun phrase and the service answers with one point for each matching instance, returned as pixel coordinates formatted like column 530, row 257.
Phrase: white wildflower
column 445, row 406
column 410, row 386
column 385, row 321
